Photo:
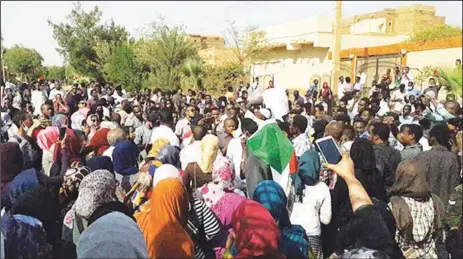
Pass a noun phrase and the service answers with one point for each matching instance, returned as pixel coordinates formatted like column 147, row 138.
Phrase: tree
column 122, row 68
column 452, row 78
column 79, row 38
column 436, row 32
column 193, row 73
column 164, row 50
column 55, row 72
column 218, row 77
column 23, row 62
column 247, row 45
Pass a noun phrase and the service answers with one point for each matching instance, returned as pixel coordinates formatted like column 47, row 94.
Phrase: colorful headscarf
column 100, row 141
column 163, row 226
column 308, row 173
column 158, row 144
column 170, row 155
column 25, row 238
column 209, row 149
column 59, row 120
column 125, row 157
column 95, row 189
column 295, row 243
column 257, row 234
column 222, row 182
column 165, row 172
column 100, row 163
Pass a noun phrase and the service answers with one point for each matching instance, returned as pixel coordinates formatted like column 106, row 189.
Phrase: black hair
column 300, row 122
column 320, row 107
column 425, row 123
column 199, row 131
column 349, row 132
column 359, row 120
column 153, row 117
column 420, row 105
column 456, row 122
column 382, row 130
column 207, row 110
column 414, row 129
column 441, row 134
column 18, row 117
column 344, row 118
column 165, row 115
column 366, row 100
column 392, row 114
column 347, row 79
column 248, row 125
column 284, row 126
column 342, row 110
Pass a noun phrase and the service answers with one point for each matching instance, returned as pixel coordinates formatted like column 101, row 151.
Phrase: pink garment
column 47, row 137
column 83, row 111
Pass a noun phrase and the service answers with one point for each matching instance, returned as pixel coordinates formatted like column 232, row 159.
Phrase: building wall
column 435, row 57
column 207, row 42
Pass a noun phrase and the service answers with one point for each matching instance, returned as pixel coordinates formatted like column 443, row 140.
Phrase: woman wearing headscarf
column 417, row 212
column 203, row 226
column 99, row 143
column 125, row 160
column 327, row 95
column 100, row 163
column 66, row 153
column 199, row 173
column 96, row 188
column 107, row 238
column 93, row 124
column 170, row 155
column 46, row 140
column 221, row 197
column 312, row 204
column 363, row 155
column 294, row 241
column 163, row 226
column 256, row 234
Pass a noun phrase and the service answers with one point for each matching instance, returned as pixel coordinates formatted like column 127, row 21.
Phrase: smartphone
column 62, row 133
column 329, row 150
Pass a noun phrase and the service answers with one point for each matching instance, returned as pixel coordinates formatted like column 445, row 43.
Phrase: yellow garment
column 158, row 144
column 209, row 149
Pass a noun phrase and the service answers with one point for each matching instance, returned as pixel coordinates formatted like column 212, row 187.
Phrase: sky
column 25, row 23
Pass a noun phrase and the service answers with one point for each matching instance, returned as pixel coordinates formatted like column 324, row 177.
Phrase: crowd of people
column 96, row 172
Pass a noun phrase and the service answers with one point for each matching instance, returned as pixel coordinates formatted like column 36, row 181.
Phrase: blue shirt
column 415, row 92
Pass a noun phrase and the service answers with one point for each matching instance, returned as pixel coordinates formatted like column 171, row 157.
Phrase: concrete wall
column 436, row 57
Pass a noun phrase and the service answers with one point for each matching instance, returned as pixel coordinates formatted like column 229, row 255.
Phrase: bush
column 437, row 32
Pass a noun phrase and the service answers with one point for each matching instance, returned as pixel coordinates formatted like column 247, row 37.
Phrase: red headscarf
column 326, row 89
column 100, row 141
column 257, row 234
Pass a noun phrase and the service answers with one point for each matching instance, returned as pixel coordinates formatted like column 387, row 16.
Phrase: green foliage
column 122, row 69
column 55, row 72
column 436, row 32
column 192, row 74
column 23, row 62
column 164, row 50
column 451, row 77
column 80, row 36
column 219, row 77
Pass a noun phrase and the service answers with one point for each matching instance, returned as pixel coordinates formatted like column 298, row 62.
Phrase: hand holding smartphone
column 329, row 150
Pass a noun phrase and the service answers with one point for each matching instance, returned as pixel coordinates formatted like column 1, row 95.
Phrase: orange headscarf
column 163, row 226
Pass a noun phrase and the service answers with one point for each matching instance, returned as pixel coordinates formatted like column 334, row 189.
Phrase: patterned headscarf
column 295, row 243
column 95, row 189
column 209, row 149
column 73, row 177
column 257, row 234
column 222, row 182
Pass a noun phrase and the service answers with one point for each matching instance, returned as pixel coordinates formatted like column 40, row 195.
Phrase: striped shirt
column 203, row 226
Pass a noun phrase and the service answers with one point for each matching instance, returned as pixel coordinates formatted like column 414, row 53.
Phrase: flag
column 271, row 145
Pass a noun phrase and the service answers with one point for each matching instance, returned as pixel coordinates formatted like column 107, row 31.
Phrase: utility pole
column 336, row 49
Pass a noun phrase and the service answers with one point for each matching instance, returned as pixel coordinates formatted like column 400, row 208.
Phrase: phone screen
column 329, row 151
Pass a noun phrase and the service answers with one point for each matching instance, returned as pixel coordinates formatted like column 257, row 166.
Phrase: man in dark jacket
column 387, row 158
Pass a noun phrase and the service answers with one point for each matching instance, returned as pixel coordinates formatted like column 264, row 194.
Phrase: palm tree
column 192, row 72
column 452, row 78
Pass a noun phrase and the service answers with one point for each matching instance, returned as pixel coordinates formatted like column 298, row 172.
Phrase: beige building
column 299, row 51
